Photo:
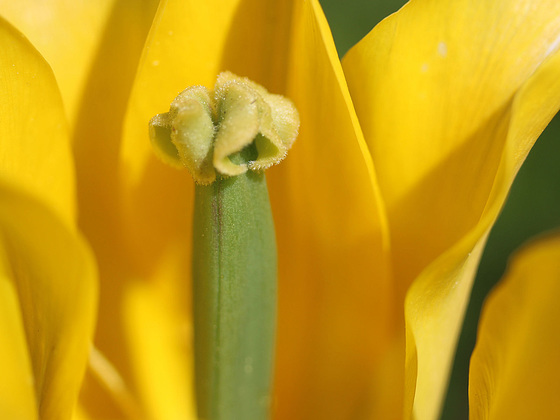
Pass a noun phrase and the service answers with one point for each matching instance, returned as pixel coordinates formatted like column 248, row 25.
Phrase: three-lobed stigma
column 203, row 130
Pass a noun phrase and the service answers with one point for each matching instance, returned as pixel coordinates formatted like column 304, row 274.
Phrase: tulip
column 405, row 156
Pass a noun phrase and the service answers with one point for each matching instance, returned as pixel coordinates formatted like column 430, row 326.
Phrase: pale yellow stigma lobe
column 203, row 129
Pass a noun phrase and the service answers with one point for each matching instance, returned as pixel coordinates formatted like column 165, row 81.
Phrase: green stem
column 234, row 276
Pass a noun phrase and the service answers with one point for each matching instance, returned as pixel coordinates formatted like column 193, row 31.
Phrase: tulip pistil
column 226, row 140
column 203, row 131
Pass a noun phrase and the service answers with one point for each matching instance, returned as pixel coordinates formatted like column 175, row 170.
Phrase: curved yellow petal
column 97, row 138
column 161, row 349
column 104, row 393
column 67, row 33
column 336, row 315
column 515, row 368
column 35, row 153
column 189, row 44
column 80, row 415
column 17, row 394
column 49, row 290
column 451, row 95
column 48, row 274
column 157, row 382
column 184, row 48
column 324, row 195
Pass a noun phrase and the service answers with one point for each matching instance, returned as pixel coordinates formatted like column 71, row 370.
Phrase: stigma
column 206, row 131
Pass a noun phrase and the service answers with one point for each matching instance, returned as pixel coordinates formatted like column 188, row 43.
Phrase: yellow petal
column 515, row 368
column 324, row 195
column 48, row 274
column 451, row 95
column 49, row 290
column 97, row 138
column 17, row 394
column 104, row 393
column 80, row 415
column 184, row 48
column 336, row 314
column 35, row 153
column 160, row 336
column 67, row 33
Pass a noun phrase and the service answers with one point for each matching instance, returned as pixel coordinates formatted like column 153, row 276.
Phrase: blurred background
column 533, row 205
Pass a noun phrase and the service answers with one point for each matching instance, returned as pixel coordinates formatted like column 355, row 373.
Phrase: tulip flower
column 405, row 156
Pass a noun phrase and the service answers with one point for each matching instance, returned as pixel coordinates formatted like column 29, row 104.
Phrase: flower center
column 203, row 130
column 226, row 138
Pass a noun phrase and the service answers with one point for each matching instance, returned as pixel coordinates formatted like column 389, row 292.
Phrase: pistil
column 226, row 139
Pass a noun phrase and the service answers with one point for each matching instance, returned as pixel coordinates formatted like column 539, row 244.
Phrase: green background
column 532, row 207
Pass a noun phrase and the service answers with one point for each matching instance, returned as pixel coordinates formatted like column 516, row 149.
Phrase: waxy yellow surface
column 48, row 284
column 381, row 211
column 514, row 367
column 451, row 96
